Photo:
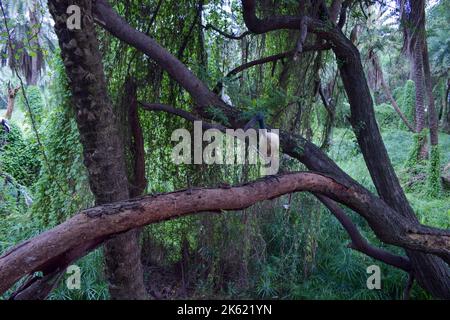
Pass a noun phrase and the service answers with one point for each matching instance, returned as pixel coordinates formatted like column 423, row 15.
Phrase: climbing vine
column 64, row 152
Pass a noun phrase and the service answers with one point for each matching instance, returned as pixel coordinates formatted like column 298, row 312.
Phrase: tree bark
column 446, row 117
column 418, row 78
column 133, row 138
column 37, row 58
column 432, row 113
column 102, row 149
column 413, row 20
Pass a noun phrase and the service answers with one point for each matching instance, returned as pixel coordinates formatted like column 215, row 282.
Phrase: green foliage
column 414, row 154
column 438, row 30
column 386, row 116
column 35, row 105
column 12, row 197
column 407, row 103
column 342, row 115
column 265, row 251
column 62, row 188
column 93, row 284
column 218, row 115
column 19, row 156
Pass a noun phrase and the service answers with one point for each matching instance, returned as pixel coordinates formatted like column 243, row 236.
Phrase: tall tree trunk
column 132, row 138
column 417, row 74
column 431, row 272
column 36, row 59
column 432, row 113
column 446, row 116
column 413, row 21
column 102, row 149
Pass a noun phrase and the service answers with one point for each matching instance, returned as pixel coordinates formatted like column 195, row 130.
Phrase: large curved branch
column 94, row 225
column 324, row 30
column 378, row 214
column 256, row 25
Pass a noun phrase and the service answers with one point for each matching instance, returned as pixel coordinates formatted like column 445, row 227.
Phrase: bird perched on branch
column 269, row 141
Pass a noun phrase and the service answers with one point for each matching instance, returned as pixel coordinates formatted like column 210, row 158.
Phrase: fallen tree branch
column 94, row 225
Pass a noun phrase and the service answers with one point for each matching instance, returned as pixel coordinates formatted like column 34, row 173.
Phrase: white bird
column 225, row 98
column 269, row 141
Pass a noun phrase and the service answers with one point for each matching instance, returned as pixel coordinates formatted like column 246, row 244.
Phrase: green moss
column 19, row 156
column 35, row 104
column 433, row 178
column 407, row 103
column 413, row 157
column 386, row 116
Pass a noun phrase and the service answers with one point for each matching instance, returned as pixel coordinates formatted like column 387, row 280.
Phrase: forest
column 225, row 149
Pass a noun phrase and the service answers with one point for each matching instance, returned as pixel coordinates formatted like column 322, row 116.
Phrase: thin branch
column 301, row 40
column 272, row 58
column 335, row 9
column 359, row 243
column 275, row 57
column 181, row 113
column 226, row 35
column 187, row 38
